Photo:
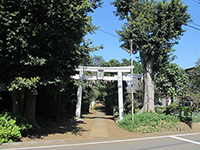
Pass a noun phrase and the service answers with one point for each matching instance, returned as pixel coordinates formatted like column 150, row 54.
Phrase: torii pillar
column 120, row 96
column 79, row 97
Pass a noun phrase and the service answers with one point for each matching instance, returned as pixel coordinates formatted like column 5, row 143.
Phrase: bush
column 171, row 109
column 11, row 127
column 160, row 109
column 148, row 122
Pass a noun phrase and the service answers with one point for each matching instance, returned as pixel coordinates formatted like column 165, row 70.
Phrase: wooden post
column 132, row 98
column 79, row 98
column 120, row 96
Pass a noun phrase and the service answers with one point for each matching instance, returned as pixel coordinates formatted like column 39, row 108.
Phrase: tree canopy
column 155, row 27
column 41, row 42
column 44, row 38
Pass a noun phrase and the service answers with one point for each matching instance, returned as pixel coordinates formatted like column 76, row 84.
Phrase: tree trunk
column 147, row 64
column 57, row 99
column 22, row 94
column 62, row 109
column 15, row 101
column 30, row 107
column 24, row 103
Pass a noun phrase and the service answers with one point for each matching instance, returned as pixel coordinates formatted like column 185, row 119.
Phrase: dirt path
column 95, row 125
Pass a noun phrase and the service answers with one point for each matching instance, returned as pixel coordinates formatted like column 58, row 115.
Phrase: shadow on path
column 93, row 125
column 57, row 128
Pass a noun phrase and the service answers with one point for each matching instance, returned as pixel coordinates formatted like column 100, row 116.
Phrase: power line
column 108, row 33
column 197, row 1
column 193, row 27
column 119, row 37
column 155, row 14
column 195, row 24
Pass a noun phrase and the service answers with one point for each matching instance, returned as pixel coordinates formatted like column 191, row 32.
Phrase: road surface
column 190, row 141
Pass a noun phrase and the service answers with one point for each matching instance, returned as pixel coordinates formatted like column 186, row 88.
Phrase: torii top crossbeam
column 100, row 73
column 105, row 69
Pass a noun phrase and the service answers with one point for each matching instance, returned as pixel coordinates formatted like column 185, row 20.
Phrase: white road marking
column 187, row 134
column 186, row 140
column 114, row 141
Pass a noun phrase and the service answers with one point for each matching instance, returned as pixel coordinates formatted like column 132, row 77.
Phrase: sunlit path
column 99, row 127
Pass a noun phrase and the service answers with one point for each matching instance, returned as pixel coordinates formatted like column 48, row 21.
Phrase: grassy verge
column 149, row 123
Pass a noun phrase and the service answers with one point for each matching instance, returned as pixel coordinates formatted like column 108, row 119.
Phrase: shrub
column 148, row 122
column 8, row 129
column 170, row 109
column 160, row 109
column 11, row 127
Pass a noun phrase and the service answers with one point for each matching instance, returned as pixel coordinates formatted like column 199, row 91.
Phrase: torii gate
column 100, row 76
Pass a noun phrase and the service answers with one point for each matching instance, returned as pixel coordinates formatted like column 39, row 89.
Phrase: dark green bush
column 11, row 127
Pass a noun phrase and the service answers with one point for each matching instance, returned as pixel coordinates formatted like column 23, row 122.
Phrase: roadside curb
column 37, row 142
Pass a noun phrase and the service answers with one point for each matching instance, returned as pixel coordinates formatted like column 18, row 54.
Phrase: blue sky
column 187, row 51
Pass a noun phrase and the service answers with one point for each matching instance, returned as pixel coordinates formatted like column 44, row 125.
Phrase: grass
column 149, row 122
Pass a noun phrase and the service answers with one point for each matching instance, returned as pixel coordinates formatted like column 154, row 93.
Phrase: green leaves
column 8, row 129
column 123, row 8
column 11, row 127
column 170, row 79
column 44, row 38
column 20, row 82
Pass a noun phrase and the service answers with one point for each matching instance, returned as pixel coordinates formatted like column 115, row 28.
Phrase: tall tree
column 41, row 42
column 155, row 28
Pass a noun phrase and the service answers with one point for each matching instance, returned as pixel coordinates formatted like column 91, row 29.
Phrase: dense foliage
column 169, row 81
column 43, row 38
column 41, row 42
column 11, row 127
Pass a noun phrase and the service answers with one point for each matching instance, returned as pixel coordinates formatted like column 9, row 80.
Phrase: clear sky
column 187, row 51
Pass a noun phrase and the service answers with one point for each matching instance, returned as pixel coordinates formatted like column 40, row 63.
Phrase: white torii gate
column 100, row 76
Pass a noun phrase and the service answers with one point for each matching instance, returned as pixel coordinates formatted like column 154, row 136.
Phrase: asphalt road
column 190, row 141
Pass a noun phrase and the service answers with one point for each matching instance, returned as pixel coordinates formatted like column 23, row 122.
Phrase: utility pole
column 132, row 98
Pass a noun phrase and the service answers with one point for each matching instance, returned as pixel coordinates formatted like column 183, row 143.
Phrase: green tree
column 170, row 79
column 41, row 42
column 191, row 91
column 155, row 28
